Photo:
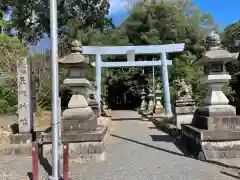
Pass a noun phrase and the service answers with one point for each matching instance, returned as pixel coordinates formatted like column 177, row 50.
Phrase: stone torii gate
column 131, row 51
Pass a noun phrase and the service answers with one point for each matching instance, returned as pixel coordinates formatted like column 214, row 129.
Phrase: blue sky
column 224, row 12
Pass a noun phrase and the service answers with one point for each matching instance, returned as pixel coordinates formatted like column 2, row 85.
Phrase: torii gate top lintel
column 118, row 50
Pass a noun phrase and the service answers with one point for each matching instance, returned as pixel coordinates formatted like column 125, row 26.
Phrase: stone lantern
column 82, row 128
column 215, row 129
column 215, row 74
column 79, row 115
column 158, row 105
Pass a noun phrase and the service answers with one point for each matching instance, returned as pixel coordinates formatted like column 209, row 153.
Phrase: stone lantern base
column 84, row 144
column 214, row 133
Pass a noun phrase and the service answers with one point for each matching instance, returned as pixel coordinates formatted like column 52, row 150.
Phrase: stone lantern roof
column 215, row 52
column 75, row 58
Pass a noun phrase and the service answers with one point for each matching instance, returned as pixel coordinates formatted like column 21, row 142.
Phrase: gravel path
column 135, row 151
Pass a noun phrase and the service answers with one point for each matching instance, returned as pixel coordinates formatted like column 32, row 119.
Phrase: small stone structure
column 151, row 97
column 215, row 130
column 82, row 126
column 185, row 105
column 143, row 106
column 158, row 105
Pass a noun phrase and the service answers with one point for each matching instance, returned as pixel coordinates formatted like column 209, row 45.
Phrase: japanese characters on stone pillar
column 25, row 108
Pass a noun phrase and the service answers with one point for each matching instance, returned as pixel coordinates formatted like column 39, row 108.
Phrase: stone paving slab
column 124, row 115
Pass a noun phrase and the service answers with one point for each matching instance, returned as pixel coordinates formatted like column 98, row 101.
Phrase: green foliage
column 8, row 96
column 10, row 50
column 32, row 18
column 229, row 36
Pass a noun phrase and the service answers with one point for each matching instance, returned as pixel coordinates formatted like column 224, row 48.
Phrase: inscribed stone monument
column 25, row 106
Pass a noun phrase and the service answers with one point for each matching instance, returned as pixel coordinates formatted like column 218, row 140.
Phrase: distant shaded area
column 120, row 98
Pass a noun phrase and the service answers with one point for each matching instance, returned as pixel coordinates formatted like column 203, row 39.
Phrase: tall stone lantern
column 82, row 127
column 215, row 129
column 79, row 115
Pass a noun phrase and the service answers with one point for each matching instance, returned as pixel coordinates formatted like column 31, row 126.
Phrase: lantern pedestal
column 83, row 145
column 184, row 110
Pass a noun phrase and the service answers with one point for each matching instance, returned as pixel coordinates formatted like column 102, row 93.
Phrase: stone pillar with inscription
column 25, row 105
column 19, row 140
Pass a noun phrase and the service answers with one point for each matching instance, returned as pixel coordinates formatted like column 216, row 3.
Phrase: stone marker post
column 25, row 106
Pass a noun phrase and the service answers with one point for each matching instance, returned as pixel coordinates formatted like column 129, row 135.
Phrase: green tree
column 230, row 35
column 10, row 50
column 172, row 22
column 32, row 18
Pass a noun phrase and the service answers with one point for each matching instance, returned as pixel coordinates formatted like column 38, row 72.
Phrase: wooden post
column 35, row 160
column 65, row 162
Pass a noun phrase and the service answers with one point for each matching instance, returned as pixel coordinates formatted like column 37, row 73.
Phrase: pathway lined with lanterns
column 136, row 150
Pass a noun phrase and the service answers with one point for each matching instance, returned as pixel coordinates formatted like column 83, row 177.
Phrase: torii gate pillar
column 166, row 90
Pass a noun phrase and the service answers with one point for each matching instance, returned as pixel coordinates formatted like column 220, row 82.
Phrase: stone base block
column 75, row 136
column 15, row 144
column 17, row 149
column 103, row 121
column 183, row 119
column 185, row 109
column 76, row 125
column 80, row 150
column 211, row 145
column 82, row 145
column 184, row 115
column 217, row 122
column 216, row 110
column 221, row 150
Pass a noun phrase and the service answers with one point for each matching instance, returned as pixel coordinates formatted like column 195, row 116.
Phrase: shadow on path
column 163, row 138
column 45, row 164
column 30, row 175
column 231, row 175
column 147, row 145
column 177, row 143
